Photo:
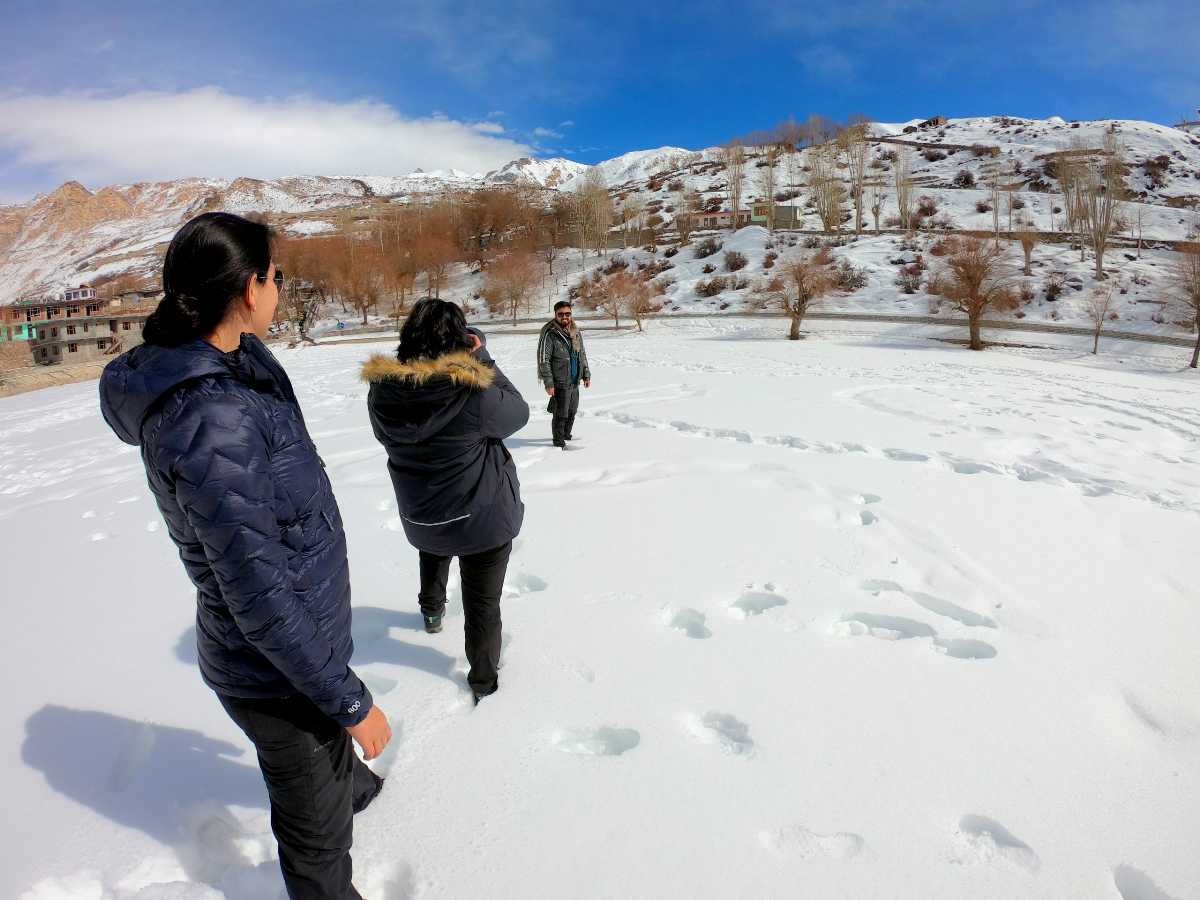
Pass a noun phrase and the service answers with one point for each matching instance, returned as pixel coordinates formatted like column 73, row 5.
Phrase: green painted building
column 17, row 331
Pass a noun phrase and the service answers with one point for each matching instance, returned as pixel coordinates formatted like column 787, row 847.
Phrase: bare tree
column 300, row 300
column 509, row 283
column 876, row 198
column 1099, row 304
column 686, row 205
column 1102, row 188
column 825, row 187
column 1028, row 235
column 359, row 276
column 432, row 254
column 853, row 142
column 1137, row 227
column 1186, row 277
column 766, row 182
column 801, row 282
column 1070, row 168
column 733, row 158
column 974, row 281
column 594, row 212
column 790, row 134
column 632, row 212
column 991, row 178
column 905, row 203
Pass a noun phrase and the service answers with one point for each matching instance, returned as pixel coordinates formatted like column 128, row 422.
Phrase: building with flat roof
column 85, row 338
column 78, row 326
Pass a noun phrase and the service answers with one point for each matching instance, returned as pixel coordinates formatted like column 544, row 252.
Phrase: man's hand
column 372, row 733
column 550, row 390
column 587, row 382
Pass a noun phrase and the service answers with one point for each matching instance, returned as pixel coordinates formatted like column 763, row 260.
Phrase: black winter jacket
column 443, row 422
column 246, row 499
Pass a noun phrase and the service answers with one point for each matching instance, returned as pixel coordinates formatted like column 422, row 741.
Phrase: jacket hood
column 134, row 382
column 460, row 368
column 416, row 400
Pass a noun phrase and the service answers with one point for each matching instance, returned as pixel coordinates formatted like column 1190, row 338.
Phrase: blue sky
column 122, row 91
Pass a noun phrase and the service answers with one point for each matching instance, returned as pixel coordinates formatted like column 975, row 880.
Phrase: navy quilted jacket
column 246, row 499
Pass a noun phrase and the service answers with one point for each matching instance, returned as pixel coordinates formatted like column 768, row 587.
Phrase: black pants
column 482, row 584
column 564, row 404
column 315, row 780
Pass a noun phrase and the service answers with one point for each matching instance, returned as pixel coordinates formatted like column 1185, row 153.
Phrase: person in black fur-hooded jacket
column 442, row 408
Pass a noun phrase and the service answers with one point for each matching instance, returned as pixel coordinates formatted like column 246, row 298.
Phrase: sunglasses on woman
column 278, row 279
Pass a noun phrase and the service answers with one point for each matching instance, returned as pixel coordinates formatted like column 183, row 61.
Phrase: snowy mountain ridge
column 73, row 234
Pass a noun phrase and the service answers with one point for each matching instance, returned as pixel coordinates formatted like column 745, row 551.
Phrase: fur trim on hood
column 460, row 367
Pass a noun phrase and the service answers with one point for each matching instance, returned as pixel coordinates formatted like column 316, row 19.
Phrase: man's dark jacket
column 246, row 500
column 443, row 422
column 554, row 352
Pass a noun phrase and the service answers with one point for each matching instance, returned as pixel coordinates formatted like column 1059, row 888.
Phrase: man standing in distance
column 562, row 364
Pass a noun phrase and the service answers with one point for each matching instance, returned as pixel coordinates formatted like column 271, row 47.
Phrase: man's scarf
column 574, row 335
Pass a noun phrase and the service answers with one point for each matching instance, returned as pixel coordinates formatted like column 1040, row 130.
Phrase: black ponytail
column 208, row 263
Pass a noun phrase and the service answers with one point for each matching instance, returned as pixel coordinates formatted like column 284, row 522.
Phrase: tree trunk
column 794, row 331
column 1096, row 343
column 1028, row 260
column 364, row 310
column 1099, row 263
column 1196, row 352
column 976, row 340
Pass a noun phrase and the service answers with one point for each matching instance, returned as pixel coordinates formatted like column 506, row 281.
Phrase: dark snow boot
column 433, row 624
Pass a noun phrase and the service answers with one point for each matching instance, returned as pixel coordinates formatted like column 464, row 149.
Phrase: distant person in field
column 562, row 364
column 246, row 500
column 442, row 408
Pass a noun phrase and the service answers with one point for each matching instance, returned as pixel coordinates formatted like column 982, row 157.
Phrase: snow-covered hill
column 74, row 235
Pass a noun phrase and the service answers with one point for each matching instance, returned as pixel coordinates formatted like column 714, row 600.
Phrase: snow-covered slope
column 74, row 235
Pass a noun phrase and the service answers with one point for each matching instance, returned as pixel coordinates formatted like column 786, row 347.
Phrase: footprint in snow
column 898, row 628
column 983, row 840
column 935, row 605
column 885, row 628
column 602, row 741
column 691, row 622
column 726, row 731
column 756, row 602
column 796, row 840
column 522, row 583
column 1134, row 884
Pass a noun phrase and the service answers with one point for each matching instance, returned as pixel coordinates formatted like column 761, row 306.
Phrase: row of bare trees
column 383, row 255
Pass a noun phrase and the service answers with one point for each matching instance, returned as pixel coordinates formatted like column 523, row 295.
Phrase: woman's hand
column 476, row 343
column 550, row 390
column 372, row 733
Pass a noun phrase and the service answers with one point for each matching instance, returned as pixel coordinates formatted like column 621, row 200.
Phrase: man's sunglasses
column 278, row 279
column 565, row 314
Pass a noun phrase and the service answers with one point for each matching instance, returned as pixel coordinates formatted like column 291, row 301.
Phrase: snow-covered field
column 863, row 616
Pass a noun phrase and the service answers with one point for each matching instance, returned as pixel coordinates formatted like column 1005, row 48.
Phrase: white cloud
column 546, row 133
column 489, row 127
column 207, row 132
column 567, row 123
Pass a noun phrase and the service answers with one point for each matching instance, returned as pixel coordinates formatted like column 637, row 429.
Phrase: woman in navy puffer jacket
column 246, row 500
